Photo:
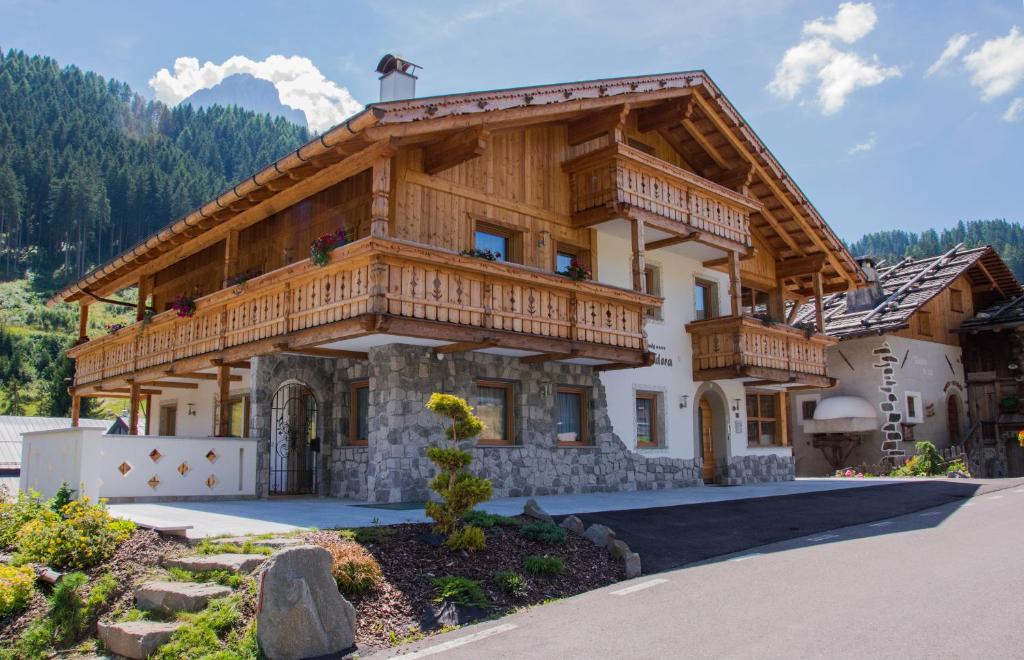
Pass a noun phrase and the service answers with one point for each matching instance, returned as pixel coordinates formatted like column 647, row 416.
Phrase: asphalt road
column 946, row 582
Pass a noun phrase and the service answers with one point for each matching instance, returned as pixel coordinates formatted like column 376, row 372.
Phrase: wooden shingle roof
column 908, row 285
column 1009, row 313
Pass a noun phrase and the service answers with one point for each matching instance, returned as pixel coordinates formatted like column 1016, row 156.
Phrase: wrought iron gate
column 294, row 441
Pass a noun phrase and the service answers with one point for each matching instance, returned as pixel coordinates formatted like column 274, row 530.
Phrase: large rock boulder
column 600, row 535
column 532, row 510
column 301, row 614
column 573, row 524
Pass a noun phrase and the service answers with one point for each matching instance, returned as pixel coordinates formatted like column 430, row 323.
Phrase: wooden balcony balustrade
column 608, row 180
column 743, row 346
column 377, row 278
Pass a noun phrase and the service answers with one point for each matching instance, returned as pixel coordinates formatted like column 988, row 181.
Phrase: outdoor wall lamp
column 684, row 400
column 191, row 410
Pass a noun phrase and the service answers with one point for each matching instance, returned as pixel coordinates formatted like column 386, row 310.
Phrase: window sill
column 495, row 443
column 356, row 444
column 768, row 447
column 578, row 444
column 649, row 445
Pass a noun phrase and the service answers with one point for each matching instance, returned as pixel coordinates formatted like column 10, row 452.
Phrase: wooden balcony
column 377, row 285
column 746, row 347
column 620, row 180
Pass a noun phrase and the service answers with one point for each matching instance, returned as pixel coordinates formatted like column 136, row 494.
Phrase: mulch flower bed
column 394, row 609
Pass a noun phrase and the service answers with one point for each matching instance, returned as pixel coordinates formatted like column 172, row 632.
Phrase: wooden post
column 546, row 250
column 819, row 301
column 149, row 408
column 639, row 260
column 230, row 255
column 145, row 288
column 735, row 284
column 133, row 408
column 224, row 394
column 76, row 409
column 777, row 302
column 380, row 211
column 83, row 321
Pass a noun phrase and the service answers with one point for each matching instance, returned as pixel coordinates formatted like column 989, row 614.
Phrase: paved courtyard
column 285, row 514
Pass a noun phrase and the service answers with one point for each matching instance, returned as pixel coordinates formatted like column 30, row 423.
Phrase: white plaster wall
column 669, row 340
column 89, row 460
column 921, row 366
column 204, row 400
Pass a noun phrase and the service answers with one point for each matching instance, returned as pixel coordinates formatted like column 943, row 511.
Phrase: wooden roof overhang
column 787, row 222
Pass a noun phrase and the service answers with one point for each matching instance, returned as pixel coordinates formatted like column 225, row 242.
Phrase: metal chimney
column 397, row 79
column 868, row 296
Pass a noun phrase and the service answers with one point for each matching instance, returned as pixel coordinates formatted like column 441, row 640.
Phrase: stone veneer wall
column 754, row 469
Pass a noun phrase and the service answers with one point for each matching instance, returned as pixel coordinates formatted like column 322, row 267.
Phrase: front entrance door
column 707, row 438
column 294, row 441
column 953, row 419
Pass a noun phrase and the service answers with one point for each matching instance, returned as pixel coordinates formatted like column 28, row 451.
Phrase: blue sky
column 874, row 140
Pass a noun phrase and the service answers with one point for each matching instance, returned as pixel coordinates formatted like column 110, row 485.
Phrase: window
column 705, row 300
column 572, row 410
column 806, row 405
column 238, row 416
column 495, row 408
column 506, row 243
column 956, row 300
column 914, row 407
column 755, row 301
column 168, row 421
column 647, row 434
column 924, row 323
column 565, row 254
column 359, row 413
column 652, row 280
column 762, row 420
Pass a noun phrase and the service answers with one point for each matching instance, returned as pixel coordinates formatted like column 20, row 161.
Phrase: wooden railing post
column 639, row 259
column 230, row 255
column 83, row 321
column 380, row 212
column 133, row 407
column 735, row 284
column 76, row 408
column 819, row 302
column 223, row 401
column 378, row 285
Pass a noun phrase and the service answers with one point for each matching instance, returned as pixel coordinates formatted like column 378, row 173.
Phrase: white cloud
column 1016, row 110
column 954, row 47
column 866, row 145
column 838, row 73
column 299, row 85
column 853, row 21
column 997, row 66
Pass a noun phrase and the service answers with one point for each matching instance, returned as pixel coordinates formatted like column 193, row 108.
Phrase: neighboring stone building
column 601, row 268
column 900, row 350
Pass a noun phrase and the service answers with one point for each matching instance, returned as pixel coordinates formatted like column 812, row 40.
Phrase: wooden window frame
column 924, row 324
column 653, row 274
column 514, row 236
column 779, row 420
column 579, row 253
column 160, row 419
column 353, row 412
column 246, row 399
column 656, row 439
column 510, row 413
column 584, row 394
column 956, row 300
column 712, row 287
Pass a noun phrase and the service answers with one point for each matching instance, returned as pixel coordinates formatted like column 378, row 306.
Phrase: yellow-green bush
column 16, row 513
column 467, row 538
column 15, row 588
column 81, row 536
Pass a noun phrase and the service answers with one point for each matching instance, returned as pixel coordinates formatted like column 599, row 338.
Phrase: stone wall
column 753, row 469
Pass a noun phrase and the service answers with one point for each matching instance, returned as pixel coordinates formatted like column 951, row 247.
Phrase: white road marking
column 994, row 497
column 823, row 537
column 461, row 641
column 639, row 587
column 884, row 523
column 746, row 557
column 967, row 504
column 931, row 513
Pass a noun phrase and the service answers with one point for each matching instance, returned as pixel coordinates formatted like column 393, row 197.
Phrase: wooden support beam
column 127, row 390
column 735, row 286
column 455, row 149
column 673, row 240
column 76, row 409
column 740, row 178
column 610, row 120
column 240, row 364
column 223, row 400
column 83, row 321
column 819, row 302
column 172, row 385
column 198, row 375
column 797, row 304
column 133, row 408
column 663, row 115
column 380, row 200
column 547, row 357
column 711, row 150
column 283, row 347
column 812, row 263
column 463, row 346
column 230, row 256
column 639, row 259
column 144, row 291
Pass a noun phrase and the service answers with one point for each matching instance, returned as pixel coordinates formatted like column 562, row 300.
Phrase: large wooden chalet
column 655, row 184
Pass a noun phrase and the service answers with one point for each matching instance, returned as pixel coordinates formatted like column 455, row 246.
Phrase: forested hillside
column 88, row 167
column 1006, row 237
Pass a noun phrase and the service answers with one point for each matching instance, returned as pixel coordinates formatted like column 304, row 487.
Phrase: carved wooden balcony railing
column 733, row 347
column 604, row 182
column 510, row 305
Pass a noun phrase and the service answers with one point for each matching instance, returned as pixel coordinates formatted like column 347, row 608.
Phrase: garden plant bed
column 396, row 610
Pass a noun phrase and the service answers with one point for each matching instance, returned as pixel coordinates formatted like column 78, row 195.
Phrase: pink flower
column 849, row 473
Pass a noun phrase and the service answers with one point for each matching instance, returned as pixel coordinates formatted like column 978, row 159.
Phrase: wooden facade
column 411, row 182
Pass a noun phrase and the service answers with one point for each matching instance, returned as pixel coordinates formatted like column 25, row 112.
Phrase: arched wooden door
column 707, row 438
column 953, row 419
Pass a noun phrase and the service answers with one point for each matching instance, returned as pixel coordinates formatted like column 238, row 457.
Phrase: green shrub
column 82, row 536
column 67, row 610
column 543, row 565
column 34, row 642
column 958, row 466
column 220, row 576
column 467, row 538
column 200, row 637
column 367, row 534
column 208, row 547
column 16, row 584
column 460, row 491
column 510, row 583
column 485, row 520
column 927, row 462
column 543, row 532
column 62, row 497
column 459, row 590
column 15, row 514
column 101, row 593
column 355, row 570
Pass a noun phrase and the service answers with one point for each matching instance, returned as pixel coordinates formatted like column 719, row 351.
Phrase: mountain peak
column 249, row 93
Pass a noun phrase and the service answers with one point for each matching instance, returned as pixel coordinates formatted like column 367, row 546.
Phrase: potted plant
column 1009, row 404
column 242, row 278
column 489, row 255
column 577, row 271
column 184, row 306
column 1020, row 438
column 321, row 248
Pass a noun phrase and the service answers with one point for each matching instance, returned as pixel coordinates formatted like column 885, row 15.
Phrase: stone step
column 275, row 543
column 222, row 562
column 171, row 597
column 136, row 639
